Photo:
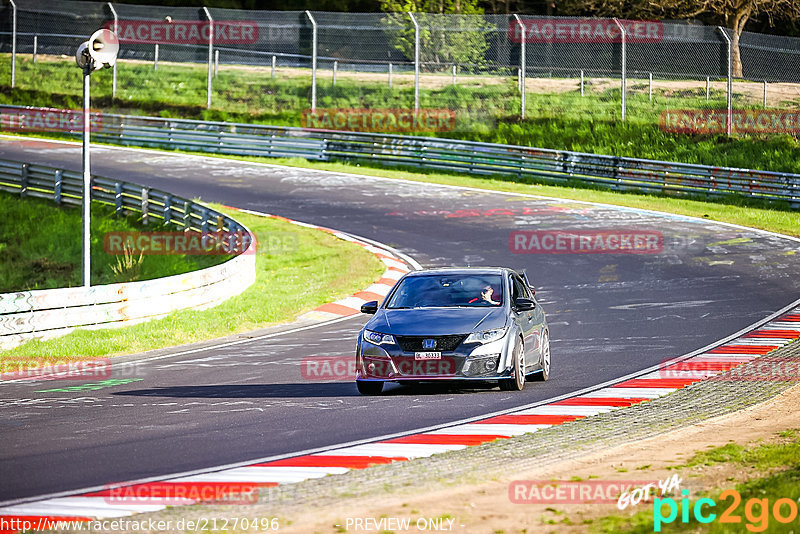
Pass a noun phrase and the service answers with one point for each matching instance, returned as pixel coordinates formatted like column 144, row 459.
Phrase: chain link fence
column 333, row 70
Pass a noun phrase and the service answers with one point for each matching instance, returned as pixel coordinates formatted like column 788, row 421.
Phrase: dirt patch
column 486, row 508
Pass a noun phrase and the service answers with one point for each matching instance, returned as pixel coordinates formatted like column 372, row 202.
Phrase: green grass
column 321, row 268
column 42, row 249
column 778, row 465
column 487, row 111
column 760, row 457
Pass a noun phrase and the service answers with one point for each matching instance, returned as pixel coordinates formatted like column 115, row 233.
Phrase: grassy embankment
column 309, row 268
column 558, row 117
column 557, row 120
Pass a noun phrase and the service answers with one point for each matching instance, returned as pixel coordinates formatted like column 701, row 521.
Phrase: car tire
column 372, row 387
column 545, row 361
column 517, row 380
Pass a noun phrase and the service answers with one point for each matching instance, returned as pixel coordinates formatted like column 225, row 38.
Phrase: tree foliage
column 733, row 14
column 460, row 40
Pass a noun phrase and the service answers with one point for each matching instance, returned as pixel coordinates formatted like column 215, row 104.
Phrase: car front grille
column 443, row 343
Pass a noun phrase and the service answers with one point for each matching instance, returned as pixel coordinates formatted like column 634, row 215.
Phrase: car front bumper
column 489, row 361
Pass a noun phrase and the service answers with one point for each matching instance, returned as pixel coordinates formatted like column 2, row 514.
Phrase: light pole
column 99, row 51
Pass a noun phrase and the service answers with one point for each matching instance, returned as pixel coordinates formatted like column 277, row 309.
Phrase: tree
column 733, row 14
column 443, row 40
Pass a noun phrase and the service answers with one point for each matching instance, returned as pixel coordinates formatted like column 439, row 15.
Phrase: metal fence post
column 145, row 206
column 167, row 209
column 187, row 216
column 23, row 181
column 36, row 47
column 729, row 120
column 416, row 61
column 624, row 62
column 155, row 57
column 210, row 55
column 454, row 75
column 118, row 198
column 313, row 60
column 57, row 186
column 204, row 221
column 13, row 43
column 522, row 67
column 390, row 75
column 765, row 94
column 581, row 82
column 708, row 87
column 650, row 86
column 216, row 62
column 272, row 75
column 114, row 68
column 86, row 204
column 335, row 68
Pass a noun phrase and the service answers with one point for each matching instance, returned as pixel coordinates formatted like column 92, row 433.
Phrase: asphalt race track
column 609, row 314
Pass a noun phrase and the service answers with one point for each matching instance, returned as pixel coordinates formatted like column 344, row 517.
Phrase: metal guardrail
column 609, row 172
column 48, row 313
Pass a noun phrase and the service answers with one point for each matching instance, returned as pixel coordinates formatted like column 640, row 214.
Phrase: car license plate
column 427, row 355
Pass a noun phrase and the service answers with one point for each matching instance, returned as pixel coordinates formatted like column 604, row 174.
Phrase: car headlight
column 378, row 339
column 486, row 337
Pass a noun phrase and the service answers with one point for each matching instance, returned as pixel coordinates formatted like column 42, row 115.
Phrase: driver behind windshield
column 486, row 296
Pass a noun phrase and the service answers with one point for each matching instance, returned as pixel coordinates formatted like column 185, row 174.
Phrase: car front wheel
column 517, row 380
column 369, row 388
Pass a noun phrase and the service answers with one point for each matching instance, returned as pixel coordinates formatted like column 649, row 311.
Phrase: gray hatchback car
column 478, row 323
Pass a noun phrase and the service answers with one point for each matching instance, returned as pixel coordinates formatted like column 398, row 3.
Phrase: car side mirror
column 522, row 304
column 370, row 307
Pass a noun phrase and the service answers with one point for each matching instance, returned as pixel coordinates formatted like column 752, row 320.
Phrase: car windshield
column 445, row 290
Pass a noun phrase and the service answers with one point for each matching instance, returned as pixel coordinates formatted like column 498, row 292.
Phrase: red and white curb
column 232, row 482
column 396, row 266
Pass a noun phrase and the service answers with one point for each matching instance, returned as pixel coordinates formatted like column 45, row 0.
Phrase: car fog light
column 489, row 365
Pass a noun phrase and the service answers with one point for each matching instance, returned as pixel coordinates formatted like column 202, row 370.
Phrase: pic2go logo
column 756, row 511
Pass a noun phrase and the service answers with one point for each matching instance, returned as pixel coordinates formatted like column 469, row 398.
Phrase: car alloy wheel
column 369, row 387
column 545, row 361
column 517, row 381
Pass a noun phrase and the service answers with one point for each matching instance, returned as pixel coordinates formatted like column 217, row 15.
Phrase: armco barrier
column 48, row 313
column 610, row 172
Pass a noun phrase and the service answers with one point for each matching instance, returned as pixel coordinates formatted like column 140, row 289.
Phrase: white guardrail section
column 48, row 313
column 449, row 155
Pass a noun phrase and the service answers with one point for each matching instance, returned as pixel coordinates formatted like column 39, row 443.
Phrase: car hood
column 437, row 321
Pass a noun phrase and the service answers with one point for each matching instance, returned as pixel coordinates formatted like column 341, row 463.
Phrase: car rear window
column 429, row 291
